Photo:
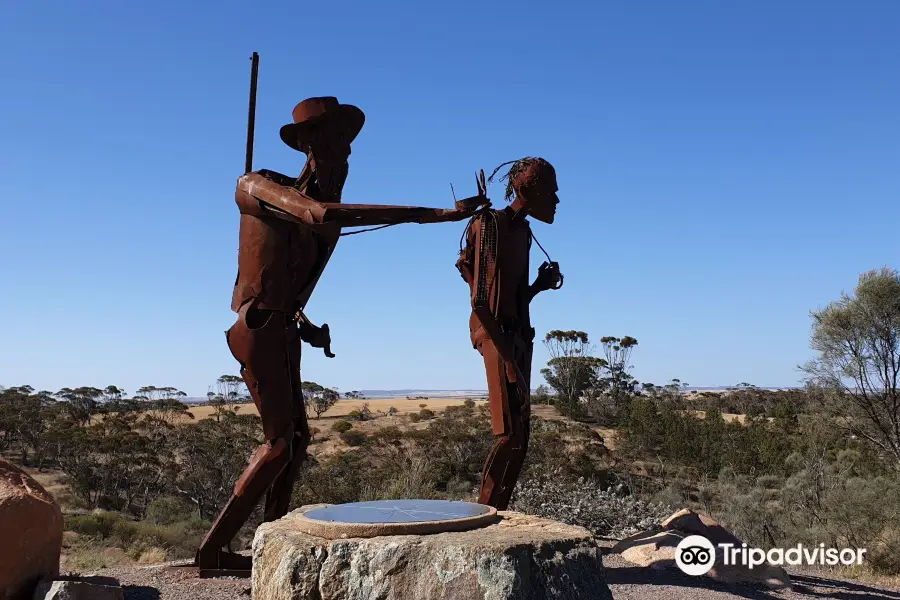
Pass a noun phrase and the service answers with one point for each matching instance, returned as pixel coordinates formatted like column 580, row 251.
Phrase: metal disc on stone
column 392, row 517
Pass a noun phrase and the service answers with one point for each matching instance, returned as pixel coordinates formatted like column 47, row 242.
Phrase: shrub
column 353, row 437
column 342, row 426
column 415, row 417
column 469, row 403
column 586, row 503
column 392, row 411
column 178, row 539
column 426, row 413
column 168, row 510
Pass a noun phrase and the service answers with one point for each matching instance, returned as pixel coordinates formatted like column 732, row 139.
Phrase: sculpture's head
column 323, row 130
column 531, row 186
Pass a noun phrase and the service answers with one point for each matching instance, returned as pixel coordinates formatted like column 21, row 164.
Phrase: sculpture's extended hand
column 257, row 193
column 453, row 214
column 317, row 337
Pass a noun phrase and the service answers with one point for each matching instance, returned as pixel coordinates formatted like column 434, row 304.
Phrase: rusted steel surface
column 272, row 190
column 251, row 115
column 289, row 228
column 494, row 262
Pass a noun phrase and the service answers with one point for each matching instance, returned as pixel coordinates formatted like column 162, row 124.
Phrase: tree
column 81, row 402
column 618, row 382
column 212, row 455
column 319, row 398
column 112, row 393
column 858, row 342
column 164, row 402
column 541, row 395
column 226, row 394
column 571, row 371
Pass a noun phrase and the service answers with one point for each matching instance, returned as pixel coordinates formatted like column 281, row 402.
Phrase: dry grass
column 344, row 407
column 152, row 556
column 54, row 482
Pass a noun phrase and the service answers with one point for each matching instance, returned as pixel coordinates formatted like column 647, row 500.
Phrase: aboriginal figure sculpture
column 289, row 228
column 494, row 262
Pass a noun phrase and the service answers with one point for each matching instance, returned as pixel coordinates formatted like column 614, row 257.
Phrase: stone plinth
column 517, row 557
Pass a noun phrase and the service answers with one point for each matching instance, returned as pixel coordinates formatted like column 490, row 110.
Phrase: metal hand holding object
column 553, row 269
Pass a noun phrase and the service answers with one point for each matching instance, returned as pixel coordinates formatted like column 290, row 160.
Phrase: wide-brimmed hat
column 314, row 111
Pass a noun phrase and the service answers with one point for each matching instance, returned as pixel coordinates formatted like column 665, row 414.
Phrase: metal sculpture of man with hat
column 288, row 230
column 494, row 262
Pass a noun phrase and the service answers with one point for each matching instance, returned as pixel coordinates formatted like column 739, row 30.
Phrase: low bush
column 167, row 510
column 177, row 539
column 353, row 437
column 342, row 426
column 587, row 503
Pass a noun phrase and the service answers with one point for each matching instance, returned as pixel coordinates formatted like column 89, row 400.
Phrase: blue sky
column 724, row 168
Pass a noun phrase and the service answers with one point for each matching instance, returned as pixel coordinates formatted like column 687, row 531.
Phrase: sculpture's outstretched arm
column 291, row 204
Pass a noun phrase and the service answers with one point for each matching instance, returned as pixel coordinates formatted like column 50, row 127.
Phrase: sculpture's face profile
column 328, row 150
column 538, row 189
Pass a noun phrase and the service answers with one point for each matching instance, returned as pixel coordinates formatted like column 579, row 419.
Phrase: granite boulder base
column 515, row 557
column 31, row 532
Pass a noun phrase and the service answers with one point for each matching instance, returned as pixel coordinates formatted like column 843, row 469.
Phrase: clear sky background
column 724, row 168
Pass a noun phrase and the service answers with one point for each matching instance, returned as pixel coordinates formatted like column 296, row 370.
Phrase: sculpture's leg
column 279, row 497
column 510, row 422
column 257, row 341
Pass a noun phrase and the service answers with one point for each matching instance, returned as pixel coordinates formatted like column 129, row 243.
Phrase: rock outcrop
column 32, row 527
column 656, row 549
column 77, row 590
column 520, row 557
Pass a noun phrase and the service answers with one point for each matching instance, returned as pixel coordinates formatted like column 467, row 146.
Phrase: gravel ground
column 627, row 582
column 630, row 582
column 157, row 582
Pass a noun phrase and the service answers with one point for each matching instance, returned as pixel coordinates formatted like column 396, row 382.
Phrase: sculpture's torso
column 279, row 262
column 508, row 295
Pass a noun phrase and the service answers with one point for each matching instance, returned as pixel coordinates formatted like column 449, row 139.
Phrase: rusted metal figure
column 288, row 231
column 494, row 262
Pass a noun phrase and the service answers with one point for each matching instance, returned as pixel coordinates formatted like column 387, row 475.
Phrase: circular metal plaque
column 393, row 517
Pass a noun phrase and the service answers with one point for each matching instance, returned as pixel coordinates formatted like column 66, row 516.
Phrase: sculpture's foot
column 223, row 564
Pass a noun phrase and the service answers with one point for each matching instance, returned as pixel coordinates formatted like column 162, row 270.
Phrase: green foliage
column 818, row 501
column 587, row 386
column 178, row 539
column 426, row 413
column 212, row 455
column 541, row 395
column 318, row 398
column 654, row 428
column 167, row 510
column 341, row 426
column 227, row 394
column 857, row 339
